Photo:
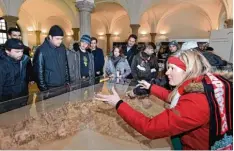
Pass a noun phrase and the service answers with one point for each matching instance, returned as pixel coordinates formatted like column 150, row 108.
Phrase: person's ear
column 50, row 37
column 7, row 51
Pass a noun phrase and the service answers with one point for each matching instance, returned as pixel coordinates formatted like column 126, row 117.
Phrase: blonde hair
column 196, row 65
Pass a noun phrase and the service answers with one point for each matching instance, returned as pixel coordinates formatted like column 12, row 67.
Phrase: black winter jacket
column 14, row 77
column 214, row 59
column 131, row 53
column 144, row 68
column 99, row 61
column 50, row 66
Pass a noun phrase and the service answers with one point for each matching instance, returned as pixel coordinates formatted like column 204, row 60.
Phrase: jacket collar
column 197, row 86
column 3, row 55
column 47, row 41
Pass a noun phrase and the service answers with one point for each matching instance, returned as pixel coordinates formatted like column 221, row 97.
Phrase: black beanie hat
column 56, row 31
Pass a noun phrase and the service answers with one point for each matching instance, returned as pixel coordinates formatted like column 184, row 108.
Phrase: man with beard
column 50, row 61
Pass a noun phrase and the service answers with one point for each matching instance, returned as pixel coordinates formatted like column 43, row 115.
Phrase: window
column 3, row 31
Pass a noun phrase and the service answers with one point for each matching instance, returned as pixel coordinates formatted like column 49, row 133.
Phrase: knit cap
column 86, row 39
column 56, row 31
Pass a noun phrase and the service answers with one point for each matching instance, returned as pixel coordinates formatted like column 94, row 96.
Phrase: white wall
column 222, row 42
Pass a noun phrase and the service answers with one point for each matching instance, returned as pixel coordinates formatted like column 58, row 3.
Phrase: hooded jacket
column 50, row 66
column 74, row 65
column 189, row 118
column 14, row 77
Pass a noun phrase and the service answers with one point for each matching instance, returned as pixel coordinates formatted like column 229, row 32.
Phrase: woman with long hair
column 200, row 112
column 117, row 65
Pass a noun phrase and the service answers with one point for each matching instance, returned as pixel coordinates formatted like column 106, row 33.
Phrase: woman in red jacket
column 189, row 113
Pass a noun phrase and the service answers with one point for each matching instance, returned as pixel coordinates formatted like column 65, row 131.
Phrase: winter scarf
column 218, row 91
column 115, row 60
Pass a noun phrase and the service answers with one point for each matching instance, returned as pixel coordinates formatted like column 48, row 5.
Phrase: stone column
column 153, row 35
column 108, row 36
column 135, row 28
column 11, row 21
column 38, row 37
column 229, row 23
column 85, row 9
column 75, row 33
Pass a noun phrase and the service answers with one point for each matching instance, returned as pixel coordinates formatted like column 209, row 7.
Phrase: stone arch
column 222, row 18
column 177, row 7
column 61, row 8
column 122, row 3
column 116, row 19
column 225, row 6
column 112, row 12
column 177, row 23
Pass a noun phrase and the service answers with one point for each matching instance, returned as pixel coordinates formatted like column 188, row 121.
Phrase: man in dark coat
column 98, row 55
column 14, row 76
column 50, row 64
column 130, row 50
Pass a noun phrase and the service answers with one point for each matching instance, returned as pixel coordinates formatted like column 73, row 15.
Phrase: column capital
column 153, row 34
column 76, row 29
column 11, row 18
column 37, row 31
column 229, row 23
column 85, row 5
column 135, row 28
column 11, row 21
column 135, row 25
column 108, row 35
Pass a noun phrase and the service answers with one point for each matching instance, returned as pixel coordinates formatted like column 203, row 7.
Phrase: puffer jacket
column 13, row 77
column 50, row 66
column 74, row 65
column 122, row 66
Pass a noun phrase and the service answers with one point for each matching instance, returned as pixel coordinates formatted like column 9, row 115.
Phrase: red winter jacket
column 190, row 118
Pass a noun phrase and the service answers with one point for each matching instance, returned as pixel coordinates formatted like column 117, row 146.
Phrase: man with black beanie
column 50, row 61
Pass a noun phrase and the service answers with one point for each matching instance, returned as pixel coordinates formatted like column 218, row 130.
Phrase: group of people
column 200, row 113
column 55, row 66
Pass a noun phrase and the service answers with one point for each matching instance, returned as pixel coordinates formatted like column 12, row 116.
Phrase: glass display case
column 70, row 118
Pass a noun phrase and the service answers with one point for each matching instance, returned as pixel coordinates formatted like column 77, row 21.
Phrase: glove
column 159, row 81
column 140, row 91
